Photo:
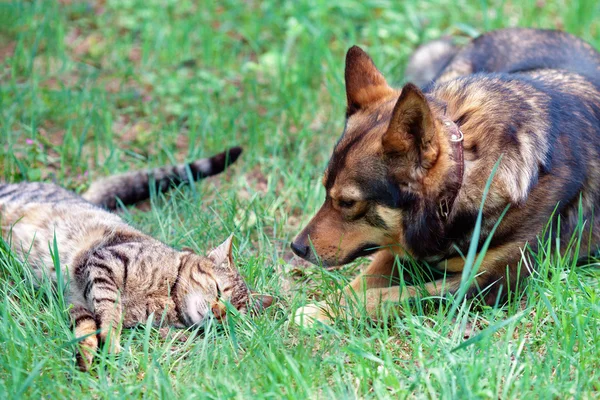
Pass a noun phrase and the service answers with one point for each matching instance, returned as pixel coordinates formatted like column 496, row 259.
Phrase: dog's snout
column 300, row 250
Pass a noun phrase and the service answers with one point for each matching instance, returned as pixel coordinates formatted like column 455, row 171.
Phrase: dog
column 407, row 177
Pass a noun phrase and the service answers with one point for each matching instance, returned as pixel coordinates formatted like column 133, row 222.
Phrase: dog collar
column 456, row 138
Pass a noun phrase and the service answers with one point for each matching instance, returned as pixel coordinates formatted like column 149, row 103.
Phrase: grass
column 89, row 89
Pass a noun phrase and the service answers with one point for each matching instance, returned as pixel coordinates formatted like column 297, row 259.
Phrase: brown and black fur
column 117, row 275
column 395, row 165
column 136, row 186
column 505, row 51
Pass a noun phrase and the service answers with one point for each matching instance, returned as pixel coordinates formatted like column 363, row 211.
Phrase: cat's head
column 207, row 283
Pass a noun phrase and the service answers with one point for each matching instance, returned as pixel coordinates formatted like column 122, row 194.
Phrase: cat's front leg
column 99, row 279
column 108, row 310
column 84, row 325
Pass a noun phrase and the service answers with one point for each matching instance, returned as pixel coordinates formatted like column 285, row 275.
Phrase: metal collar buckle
column 458, row 138
column 444, row 208
column 454, row 137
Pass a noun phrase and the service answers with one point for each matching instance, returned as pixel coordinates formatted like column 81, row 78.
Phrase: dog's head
column 387, row 171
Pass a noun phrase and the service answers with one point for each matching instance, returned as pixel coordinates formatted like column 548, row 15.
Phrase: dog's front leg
column 378, row 274
column 498, row 273
column 376, row 299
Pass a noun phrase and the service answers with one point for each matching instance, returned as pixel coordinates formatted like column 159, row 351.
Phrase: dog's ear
column 364, row 83
column 411, row 131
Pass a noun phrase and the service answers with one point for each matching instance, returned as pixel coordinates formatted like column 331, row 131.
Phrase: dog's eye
column 346, row 203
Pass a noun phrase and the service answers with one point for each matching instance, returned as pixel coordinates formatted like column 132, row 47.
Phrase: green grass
column 88, row 90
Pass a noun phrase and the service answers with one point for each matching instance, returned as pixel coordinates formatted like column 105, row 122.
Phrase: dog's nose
column 299, row 250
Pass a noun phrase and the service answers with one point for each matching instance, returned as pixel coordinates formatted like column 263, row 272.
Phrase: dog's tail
column 428, row 61
column 132, row 187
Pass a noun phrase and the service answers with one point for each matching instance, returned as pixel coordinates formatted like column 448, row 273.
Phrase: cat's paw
column 115, row 347
column 112, row 340
column 85, row 354
column 311, row 314
column 85, row 333
column 166, row 333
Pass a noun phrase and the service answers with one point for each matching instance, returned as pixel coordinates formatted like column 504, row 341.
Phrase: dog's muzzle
column 299, row 249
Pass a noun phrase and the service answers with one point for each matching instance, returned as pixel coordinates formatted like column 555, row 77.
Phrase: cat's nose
column 219, row 310
column 301, row 250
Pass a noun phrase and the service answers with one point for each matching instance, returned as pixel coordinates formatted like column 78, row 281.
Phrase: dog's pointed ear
column 364, row 83
column 412, row 128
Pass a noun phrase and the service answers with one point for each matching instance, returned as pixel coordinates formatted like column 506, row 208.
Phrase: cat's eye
column 219, row 293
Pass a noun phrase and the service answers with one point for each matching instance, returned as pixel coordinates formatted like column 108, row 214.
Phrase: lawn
column 89, row 89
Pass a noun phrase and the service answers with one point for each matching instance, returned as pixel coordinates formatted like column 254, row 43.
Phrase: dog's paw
column 311, row 314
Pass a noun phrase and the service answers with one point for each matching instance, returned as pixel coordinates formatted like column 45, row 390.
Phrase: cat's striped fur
column 116, row 273
column 132, row 187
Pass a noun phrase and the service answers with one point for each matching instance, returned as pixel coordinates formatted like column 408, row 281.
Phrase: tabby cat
column 132, row 187
column 117, row 273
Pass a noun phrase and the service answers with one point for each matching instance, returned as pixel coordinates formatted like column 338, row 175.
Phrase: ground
column 89, row 89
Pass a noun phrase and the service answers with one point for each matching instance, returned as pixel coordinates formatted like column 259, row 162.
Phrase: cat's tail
column 132, row 187
column 428, row 61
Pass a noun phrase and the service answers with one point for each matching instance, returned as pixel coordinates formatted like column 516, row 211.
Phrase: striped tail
column 132, row 187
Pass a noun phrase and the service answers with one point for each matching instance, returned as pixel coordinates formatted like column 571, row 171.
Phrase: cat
column 117, row 273
column 132, row 187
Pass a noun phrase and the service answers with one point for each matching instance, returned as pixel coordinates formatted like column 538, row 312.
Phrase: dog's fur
column 397, row 183
column 505, row 51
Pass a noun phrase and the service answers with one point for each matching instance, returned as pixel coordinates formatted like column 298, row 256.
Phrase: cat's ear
column 221, row 255
column 186, row 248
column 260, row 301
